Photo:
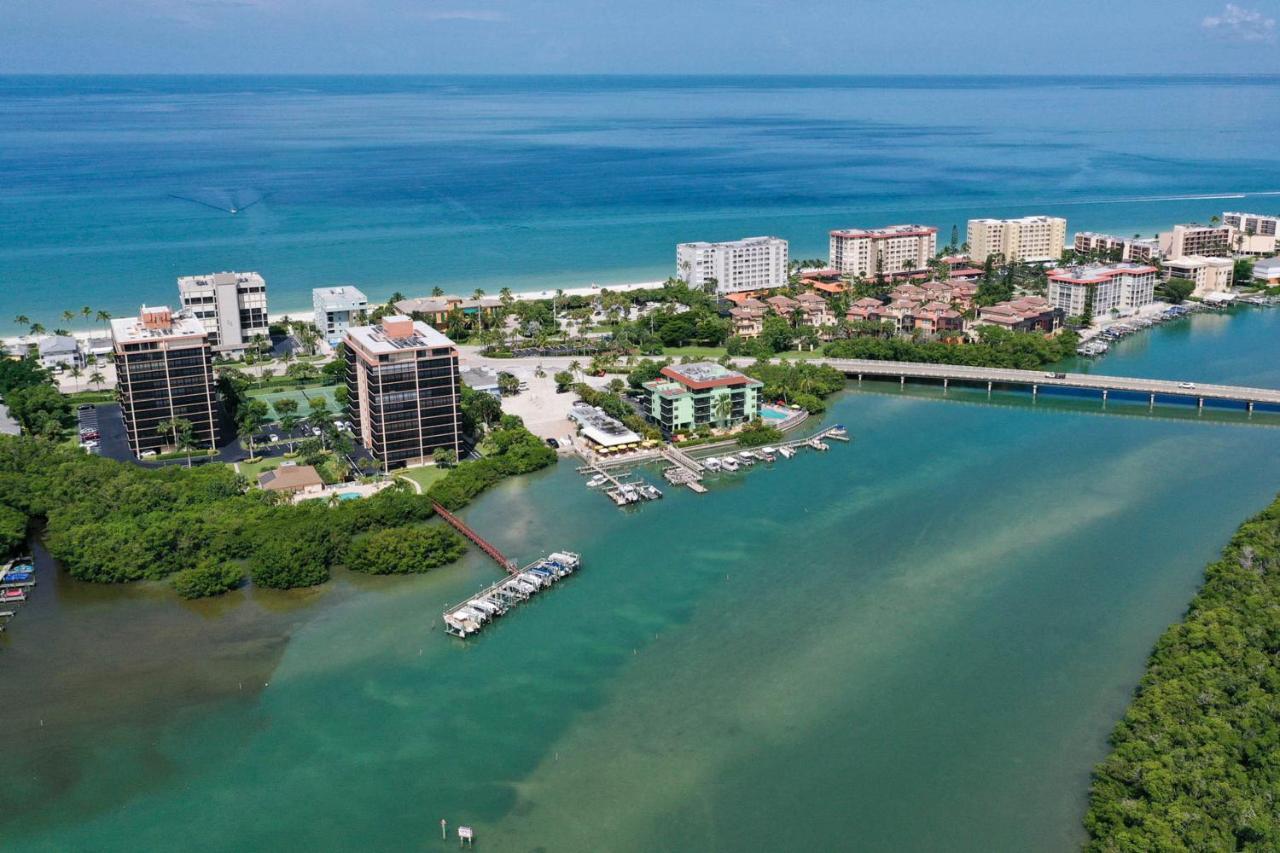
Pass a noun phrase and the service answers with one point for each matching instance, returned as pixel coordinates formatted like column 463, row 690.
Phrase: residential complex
column 1187, row 240
column 1211, row 275
column 687, row 396
column 1099, row 288
column 58, row 351
column 894, row 249
column 164, row 370
column 753, row 263
column 1266, row 273
column 1031, row 238
column 232, row 307
column 1255, row 233
column 1028, row 314
column 337, row 309
column 1116, row 248
column 403, row 390
column 436, row 309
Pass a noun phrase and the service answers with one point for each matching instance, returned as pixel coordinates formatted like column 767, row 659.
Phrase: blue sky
column 639, row 36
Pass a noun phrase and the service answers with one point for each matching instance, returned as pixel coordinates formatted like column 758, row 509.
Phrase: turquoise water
column 113, row 187
column 917, row 641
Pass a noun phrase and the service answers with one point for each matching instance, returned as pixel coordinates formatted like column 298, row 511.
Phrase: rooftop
column 214, row 279
column 744, row 243
column 601, row 427
column 704, row 374
column 343, row 294
column 288, row 478
column 378, row 340
column 1097, row 273
column 441, row 304
column 887, row 231
column 56, row 345
column 133, row 329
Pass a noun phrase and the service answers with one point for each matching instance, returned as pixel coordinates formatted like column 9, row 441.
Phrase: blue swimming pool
column 349, row 496
column 770, row 413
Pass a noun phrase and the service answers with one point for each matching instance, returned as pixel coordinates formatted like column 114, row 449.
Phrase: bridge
column 1155, row 390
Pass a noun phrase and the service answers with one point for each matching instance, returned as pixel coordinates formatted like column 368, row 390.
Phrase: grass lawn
column 251, row 470
column 424, row 476
column 714, row 353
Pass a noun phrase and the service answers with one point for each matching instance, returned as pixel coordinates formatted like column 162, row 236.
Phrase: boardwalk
column 1154, row 389
column 497, row 556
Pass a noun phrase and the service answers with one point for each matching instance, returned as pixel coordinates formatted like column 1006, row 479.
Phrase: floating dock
column 17, row 579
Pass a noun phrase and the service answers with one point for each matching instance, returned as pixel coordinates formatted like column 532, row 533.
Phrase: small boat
column 650, row 491
column 746, row 457
column 818, row 445
column 766, row 456
column 12, row 595
column 597, row 481
column 786, row 452
column 712, row 463
column 769, row 451
column 566, row 558
column 729, row 464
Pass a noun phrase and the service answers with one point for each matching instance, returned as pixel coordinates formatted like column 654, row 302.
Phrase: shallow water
column 916, row 641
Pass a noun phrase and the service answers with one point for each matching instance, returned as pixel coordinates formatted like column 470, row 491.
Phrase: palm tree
column 575, row 367
column 103, row 317
column 76, row 373
column 437, row 291
column 96, row 378
column 723, row 408
column 68, row 316
column 181, row 431
column 22, row 320
column 37, row 328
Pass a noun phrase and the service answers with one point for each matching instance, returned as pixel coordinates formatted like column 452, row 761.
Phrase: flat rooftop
column 887, row 231
column 375, row 340
column 1095, row 273
column 341, row 295
column 130, row 329
column 214, row 279
column 700, row 375
column 745, row 242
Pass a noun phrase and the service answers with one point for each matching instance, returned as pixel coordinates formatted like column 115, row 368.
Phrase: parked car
column 551, row 442
column 273, row 437
column 85, row 407
column 1186, row 384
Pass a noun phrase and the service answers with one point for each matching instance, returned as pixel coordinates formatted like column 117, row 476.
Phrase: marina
column 17, row 579
column 467, row 618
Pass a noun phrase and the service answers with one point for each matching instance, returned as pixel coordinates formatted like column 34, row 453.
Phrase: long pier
column 508, row 565
column 1155, row 390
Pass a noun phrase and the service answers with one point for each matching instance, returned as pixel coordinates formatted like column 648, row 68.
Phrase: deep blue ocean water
column 111, row 187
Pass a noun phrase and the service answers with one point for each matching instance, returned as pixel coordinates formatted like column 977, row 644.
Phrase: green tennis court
column 303, row 397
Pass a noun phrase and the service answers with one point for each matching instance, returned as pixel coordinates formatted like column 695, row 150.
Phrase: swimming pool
column 774, row 414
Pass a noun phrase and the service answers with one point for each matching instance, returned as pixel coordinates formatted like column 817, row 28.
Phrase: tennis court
column 303, row 396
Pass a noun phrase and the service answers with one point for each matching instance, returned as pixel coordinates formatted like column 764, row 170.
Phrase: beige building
column 753, row 263
column 232, row 307
column 292, row 480
column 1199, row 240
column 1118, row 248
column 1255, row 233
column 1211, row 275
column 1031, row 238
column 894, row 249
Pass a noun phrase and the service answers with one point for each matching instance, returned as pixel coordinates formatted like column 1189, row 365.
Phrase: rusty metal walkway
column 508, row 565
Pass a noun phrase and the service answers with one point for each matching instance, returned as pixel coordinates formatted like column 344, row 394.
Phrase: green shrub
column 758, row 434
column 207, row 580
column 404, row 550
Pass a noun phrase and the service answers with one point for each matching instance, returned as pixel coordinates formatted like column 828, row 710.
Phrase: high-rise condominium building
column 336, row 310
column 753, row 263
column 403, row 390
column 1116, row 248
column 1031, row 238
column 164, row 370
column 1098, row 288
column 1255, row 233
column 894, row 249
column 1203, row 240
column 232, row 306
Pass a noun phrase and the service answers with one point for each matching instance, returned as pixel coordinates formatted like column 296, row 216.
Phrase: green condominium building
column 687, row 396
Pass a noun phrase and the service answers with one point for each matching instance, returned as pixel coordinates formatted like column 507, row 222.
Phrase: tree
column 39, row 409
column 508, row 384
column 252, row 418
column 103, row 317
column 207, row 580
column 1242, row 272
column 437, row 291
column 1175, row 290
column 181, row 431
column 320, row 417
column 444, row 457
column 76, row 372
column 563, row 380
column 404, row 550
column 722, row 409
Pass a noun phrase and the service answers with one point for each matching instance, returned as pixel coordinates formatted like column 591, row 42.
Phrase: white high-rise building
column 894, row 249
column 1211, row 275
column 336, row 310
column 1119, row 286
column 232, row 307
column 1031, row 238
column 753, row 263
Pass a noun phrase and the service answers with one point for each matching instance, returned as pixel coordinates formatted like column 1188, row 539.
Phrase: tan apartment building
column 864, row 252
column 1116, row 248
column 403, row 390
column 1199, row 240
column 1031, row 238
column 1211, row 275
column 164, row 372
column 1255, row 233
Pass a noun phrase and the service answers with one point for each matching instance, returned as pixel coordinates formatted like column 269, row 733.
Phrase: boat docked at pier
column 496, row 600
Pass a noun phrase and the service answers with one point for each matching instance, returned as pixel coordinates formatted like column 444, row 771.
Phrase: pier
column 1154, row 390
column 508, row 565
column 467, row 618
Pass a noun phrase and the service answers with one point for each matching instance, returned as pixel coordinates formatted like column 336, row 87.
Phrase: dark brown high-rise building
column 404, row 390
column 164, row 370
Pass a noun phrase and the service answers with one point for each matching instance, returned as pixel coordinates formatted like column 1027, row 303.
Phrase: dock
column 622, row 492
column 469, row 617
column 17, row 582
column 508, row 565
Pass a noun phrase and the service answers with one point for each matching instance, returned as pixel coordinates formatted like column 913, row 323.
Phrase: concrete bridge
column 1154, row 390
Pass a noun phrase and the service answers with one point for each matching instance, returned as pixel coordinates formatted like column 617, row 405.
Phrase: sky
column 639, row 36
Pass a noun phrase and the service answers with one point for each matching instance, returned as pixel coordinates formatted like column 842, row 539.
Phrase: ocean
column 115, row 186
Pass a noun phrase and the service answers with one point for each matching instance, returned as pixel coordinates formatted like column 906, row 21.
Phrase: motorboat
column 729, row 464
